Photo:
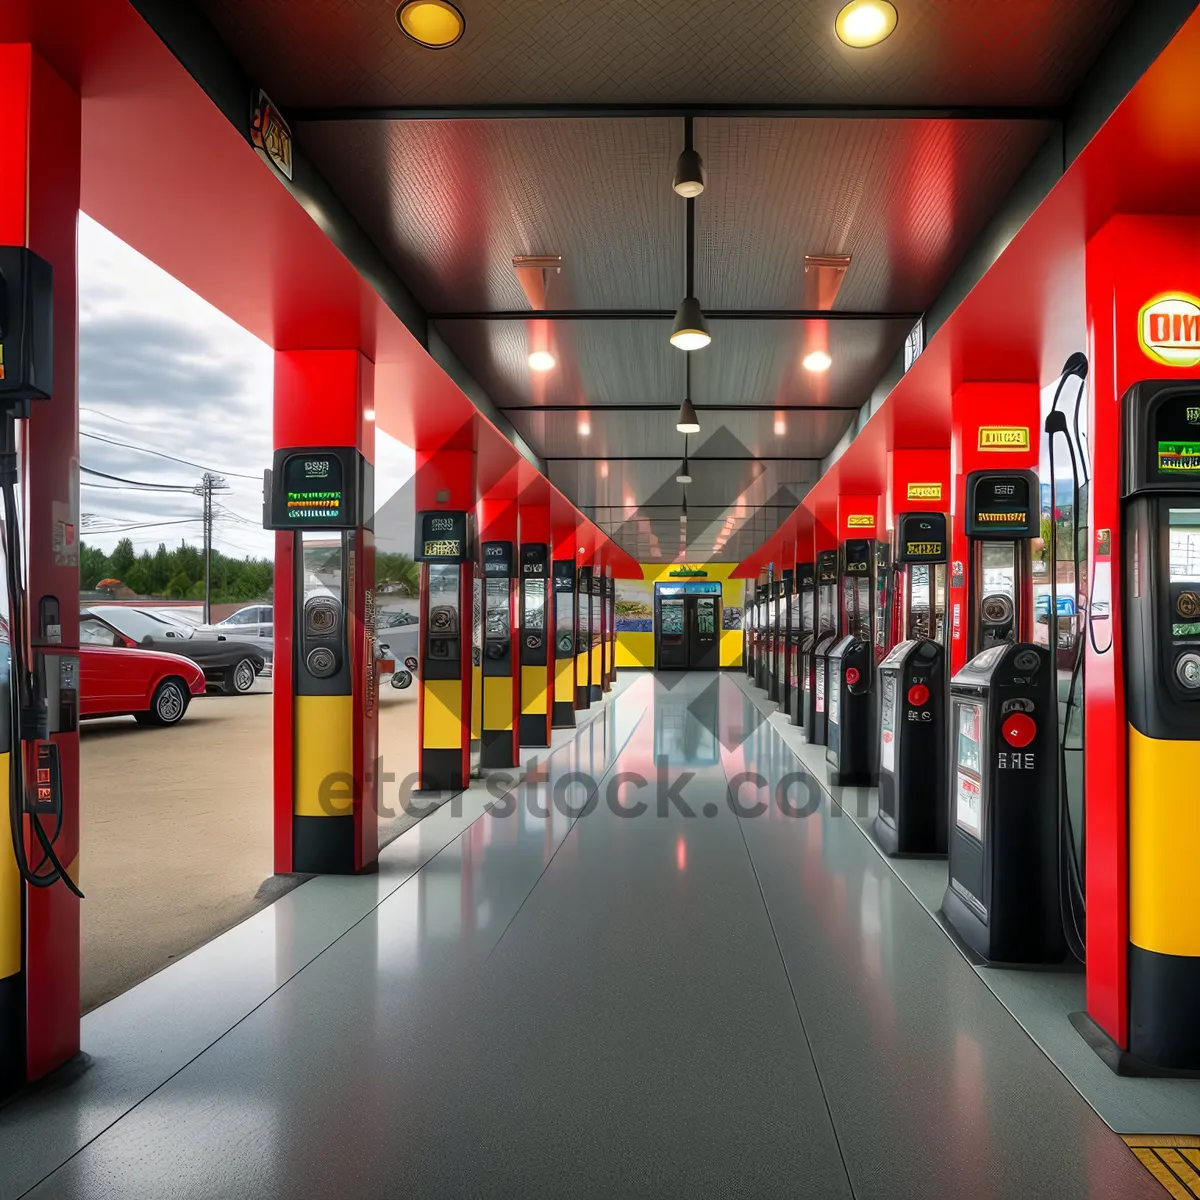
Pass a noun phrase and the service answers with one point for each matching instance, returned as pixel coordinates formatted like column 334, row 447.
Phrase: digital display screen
column 968, row 789
column 1001, row 503
column 969, row 751
column 921, row 537
column 314, row 488
column 442, row 537
column 1184, row 571
column 534, row 607
column 1179, row 458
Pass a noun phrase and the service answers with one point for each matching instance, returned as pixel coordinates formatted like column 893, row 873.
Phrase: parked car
column 117, row 680
column 254, row 624
column 229, row 666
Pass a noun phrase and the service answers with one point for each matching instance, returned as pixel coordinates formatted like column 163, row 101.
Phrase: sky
column 164, row 376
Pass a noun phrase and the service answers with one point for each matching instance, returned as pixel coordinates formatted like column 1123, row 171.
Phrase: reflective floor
column 663, row 967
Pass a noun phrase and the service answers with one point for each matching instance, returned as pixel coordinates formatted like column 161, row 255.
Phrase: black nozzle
column 1077, row 364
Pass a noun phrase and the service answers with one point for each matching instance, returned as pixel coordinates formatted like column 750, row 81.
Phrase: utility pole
column 209, row 484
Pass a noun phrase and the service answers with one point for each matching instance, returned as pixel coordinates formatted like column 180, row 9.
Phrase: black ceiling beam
column 667, row 314
column 647, row 408
column 548, row 112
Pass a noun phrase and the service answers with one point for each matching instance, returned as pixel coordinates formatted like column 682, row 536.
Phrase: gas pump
column 535, row 711
column 779, row 603
column 1160, row 599
column 851, row 748
column 1003, row 893
column 803, row 637
column 583, row 639
column 595, row 658
column 443, row 549
column 815, row 721
column 564, row 643
column 761, row 648
column 501, row 745
column 912, row 817
column 40, row 676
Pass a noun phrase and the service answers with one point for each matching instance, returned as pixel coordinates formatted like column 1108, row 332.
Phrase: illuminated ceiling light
column 864, row 23
column 368, row 414
column 542, row 360
column 780, row 427
column 433, row 23
column 604, row 470
column 691, row 329
column 689, row 175
column 683, row 476
column 584, row 428
column 817, row 361
column 687, row 422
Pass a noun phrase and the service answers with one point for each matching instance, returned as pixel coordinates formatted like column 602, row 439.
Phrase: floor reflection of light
column 680, row 854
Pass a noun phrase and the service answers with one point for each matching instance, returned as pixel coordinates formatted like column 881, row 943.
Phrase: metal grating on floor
column 1173, row 1160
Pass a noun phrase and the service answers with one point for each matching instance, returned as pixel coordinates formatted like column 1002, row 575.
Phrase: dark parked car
column 229, row 666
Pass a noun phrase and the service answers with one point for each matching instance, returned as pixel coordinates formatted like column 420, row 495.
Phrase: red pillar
column 39, row 208
column 499, row 537
column 326, row 732
column 976, row 409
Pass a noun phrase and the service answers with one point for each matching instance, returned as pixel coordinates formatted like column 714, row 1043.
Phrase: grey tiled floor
column 537, row 1003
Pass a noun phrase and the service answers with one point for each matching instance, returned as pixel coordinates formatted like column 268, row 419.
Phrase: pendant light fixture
column 689, row 179
column 690, row 331
column 687, row 422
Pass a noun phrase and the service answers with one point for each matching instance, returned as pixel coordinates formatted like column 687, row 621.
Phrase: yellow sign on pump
column 924, row 491
column 860, row 521
column 1004, row 437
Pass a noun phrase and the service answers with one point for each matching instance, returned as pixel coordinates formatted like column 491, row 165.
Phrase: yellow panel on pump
column 533, row 690
column 10, row 893
column 1164, row 831
column 324, row 755
column 476, row 703
column 497, row 702
column 564, row 680
column 443, row 715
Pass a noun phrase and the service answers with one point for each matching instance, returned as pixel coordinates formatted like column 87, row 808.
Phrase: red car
column 116, row 679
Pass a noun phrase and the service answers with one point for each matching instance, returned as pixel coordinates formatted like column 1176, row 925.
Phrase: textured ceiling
column 450, row 202
column 316, row 52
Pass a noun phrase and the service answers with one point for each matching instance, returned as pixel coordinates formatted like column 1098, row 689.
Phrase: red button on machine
column 852, row 675
column 1018, row 730
column 918, row 695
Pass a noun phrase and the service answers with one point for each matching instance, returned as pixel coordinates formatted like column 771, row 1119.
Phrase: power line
column 125, row 528
column 140, row 483
column 159, row 454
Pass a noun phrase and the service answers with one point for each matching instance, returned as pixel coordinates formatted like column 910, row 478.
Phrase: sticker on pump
column 968, row 808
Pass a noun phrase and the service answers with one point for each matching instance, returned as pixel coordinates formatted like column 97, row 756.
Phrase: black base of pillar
column 533, row 729
column 582, row 697
column 596, row 692
column 12, row 1034
column 498, row 750
column 442, row 771
column 563, row 714
column 1164, row 994
column 323, row 845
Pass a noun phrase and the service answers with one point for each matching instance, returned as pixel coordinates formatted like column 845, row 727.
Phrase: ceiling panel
column 724, row 433
column 452, row 202
column 903, row 198
column 309, row 52
column 604, row 362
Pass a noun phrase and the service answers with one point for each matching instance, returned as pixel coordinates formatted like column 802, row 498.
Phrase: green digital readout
column 1179, row 457
column 314, row 488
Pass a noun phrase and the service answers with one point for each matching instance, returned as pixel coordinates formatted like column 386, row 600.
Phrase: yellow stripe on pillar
column 443, row 715
column 497, row 702
column 564, row 681
column 10, row 893
column 324, row 770
column 533, row 690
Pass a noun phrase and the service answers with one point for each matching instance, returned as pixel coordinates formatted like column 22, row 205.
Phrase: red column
column 39, row 208
column 977, row 407
column 498, row 526
column 326, row 745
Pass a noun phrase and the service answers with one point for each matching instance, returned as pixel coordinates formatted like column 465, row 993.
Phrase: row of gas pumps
column 924, row 640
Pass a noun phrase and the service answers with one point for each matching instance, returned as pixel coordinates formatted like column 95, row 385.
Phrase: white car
column 254, row 624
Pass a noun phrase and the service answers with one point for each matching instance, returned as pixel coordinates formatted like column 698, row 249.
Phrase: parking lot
column 177, row 829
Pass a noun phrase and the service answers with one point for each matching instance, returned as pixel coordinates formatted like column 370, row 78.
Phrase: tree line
column 179, row 572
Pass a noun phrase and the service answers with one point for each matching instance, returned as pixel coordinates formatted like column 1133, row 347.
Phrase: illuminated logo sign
column 1169, row 330
column 688, row 573
column 1179, row 457
column 1000, row 518
column 924, row 491
column 925, row 549
column 860, row 521
column 1003, row 437
column 270, row 135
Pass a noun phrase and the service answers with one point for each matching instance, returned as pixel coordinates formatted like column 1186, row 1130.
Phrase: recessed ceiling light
column 584, row 429
column 817, row 361
column 780, row 427
column 433, row 23
column 542, row 360
column 864, row 23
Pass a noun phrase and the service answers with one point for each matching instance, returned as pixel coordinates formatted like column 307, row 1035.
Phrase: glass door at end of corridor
column 672, row 634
